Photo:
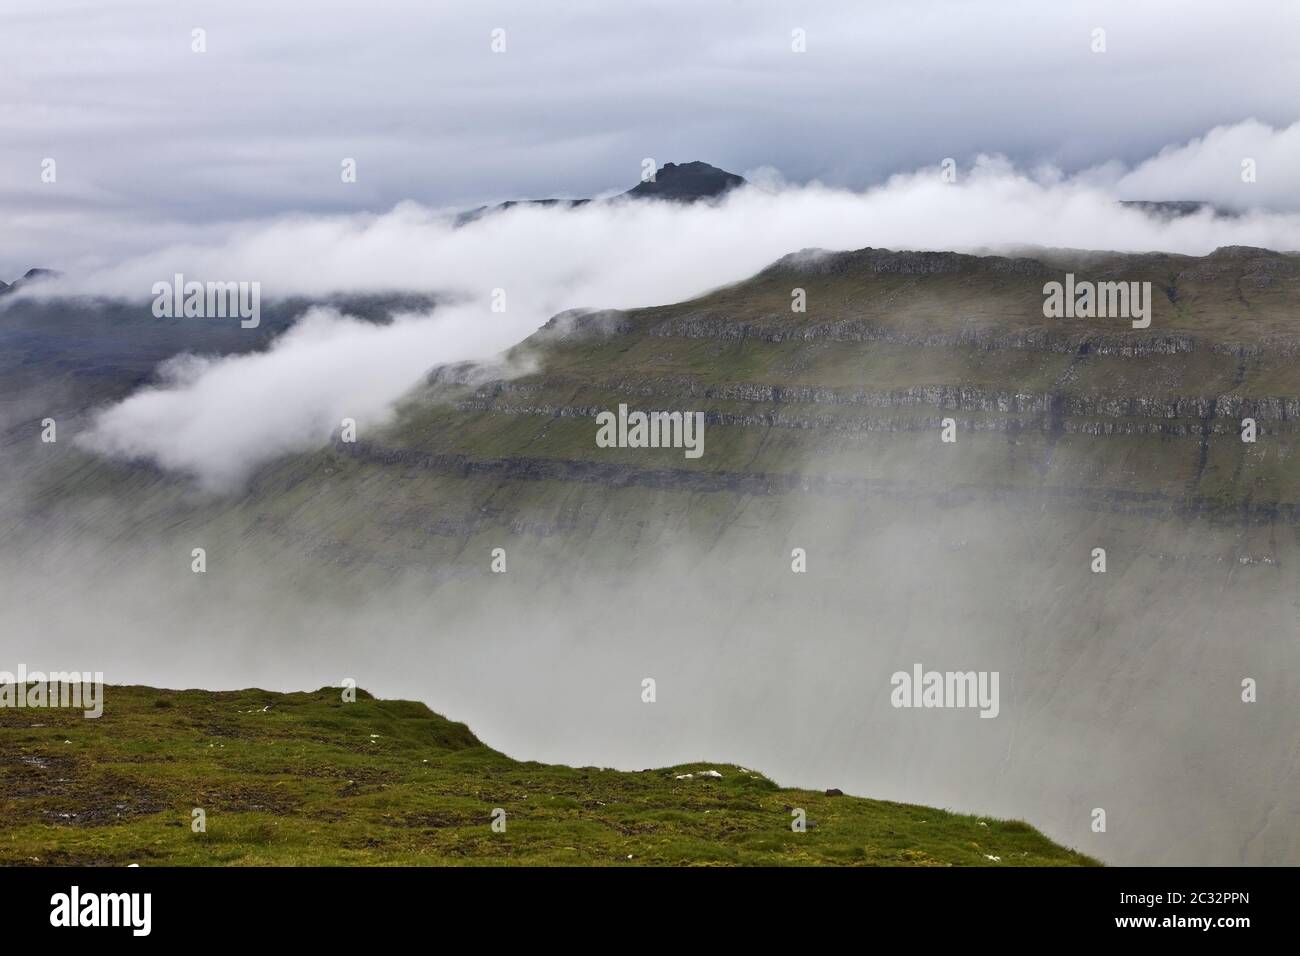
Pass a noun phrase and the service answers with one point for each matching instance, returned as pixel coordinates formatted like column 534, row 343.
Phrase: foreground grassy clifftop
column 303, row 779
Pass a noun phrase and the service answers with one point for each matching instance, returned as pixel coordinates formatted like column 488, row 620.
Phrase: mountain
column 305, row 779
column 688, row 182
column 1097, row 532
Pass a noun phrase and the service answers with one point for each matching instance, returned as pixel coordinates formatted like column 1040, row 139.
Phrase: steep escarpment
column 841, row 351
column 1096, row 531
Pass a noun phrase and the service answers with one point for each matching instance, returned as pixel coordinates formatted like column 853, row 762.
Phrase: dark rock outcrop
column 686, row 183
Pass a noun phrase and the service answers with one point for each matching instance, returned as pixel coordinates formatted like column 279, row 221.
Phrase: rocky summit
column 686, row 183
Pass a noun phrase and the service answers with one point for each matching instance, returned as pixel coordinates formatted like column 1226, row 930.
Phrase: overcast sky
column 143, row 128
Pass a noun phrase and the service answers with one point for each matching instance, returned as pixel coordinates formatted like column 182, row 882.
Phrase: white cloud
column 147, row 132
column 220, row 418
column 215, row 419
column 1210, row 168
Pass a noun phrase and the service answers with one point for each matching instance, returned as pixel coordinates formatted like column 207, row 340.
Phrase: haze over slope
column 1121, row 691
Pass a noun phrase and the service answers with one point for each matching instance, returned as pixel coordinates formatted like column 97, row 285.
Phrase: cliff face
column 828, row 346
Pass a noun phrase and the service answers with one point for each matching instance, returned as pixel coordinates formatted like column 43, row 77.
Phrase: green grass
column 308, row 779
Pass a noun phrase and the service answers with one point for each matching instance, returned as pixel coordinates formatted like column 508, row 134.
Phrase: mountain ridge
column 686, row 182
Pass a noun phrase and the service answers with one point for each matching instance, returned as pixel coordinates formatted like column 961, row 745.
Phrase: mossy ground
column 307, row 779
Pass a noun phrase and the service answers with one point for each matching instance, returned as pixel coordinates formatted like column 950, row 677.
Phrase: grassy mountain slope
column 307, row 779
column 892, row 343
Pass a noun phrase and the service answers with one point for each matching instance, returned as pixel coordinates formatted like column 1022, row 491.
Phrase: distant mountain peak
column 686, row 182
column 30, row 275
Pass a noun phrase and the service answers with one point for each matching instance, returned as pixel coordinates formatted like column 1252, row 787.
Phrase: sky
column 153, row 141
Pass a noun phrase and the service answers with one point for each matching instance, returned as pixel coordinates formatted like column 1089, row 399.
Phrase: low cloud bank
column 507, row 273
column 216, row 419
